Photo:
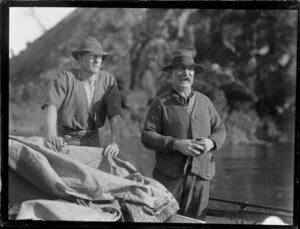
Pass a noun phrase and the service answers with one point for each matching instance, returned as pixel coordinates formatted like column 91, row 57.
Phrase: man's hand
column 206, row 143
column 112, row 150
column 188, row 147
column 57, row 142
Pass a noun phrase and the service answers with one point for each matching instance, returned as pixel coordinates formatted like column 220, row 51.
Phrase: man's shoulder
column 67, row 74
column 105, row 74
column 200, row 95
column 162, row 98
column 106, row 77
column 106, row 80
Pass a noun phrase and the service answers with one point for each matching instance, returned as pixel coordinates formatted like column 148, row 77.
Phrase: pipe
column 244, row 204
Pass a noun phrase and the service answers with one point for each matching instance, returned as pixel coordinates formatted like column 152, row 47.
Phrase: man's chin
column 95, row 70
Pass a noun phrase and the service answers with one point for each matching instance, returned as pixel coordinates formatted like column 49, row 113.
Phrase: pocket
column 205, row 166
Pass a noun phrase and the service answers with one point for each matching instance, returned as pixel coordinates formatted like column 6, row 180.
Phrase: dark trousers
column 190, row 191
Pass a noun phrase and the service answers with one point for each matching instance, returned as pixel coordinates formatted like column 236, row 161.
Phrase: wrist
column 213, row 145
column 114, row 140
column 51, row 135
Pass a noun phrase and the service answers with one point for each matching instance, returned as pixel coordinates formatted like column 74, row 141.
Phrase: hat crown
column 183, row 57
column 90, row 43
column 183, row 52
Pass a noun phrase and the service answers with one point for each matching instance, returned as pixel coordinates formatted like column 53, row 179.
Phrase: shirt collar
column 94, row 80
column 181, row 99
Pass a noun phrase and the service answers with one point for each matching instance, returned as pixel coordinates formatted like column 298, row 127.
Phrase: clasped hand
column 194, row 148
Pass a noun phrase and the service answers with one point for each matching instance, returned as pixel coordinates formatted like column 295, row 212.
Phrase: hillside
column 250, row 60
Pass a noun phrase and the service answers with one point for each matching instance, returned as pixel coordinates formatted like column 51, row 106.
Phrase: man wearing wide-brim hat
column 184, row 129
column 80, row 99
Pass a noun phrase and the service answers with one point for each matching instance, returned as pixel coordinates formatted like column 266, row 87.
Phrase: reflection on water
column 257, row 174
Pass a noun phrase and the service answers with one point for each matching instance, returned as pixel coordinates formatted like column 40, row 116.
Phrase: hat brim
column 198, row 68
column 75, row 53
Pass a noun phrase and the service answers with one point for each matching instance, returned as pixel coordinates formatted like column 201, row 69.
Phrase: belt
column 76, row 134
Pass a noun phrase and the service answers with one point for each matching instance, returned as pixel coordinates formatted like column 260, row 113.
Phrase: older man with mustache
column 184, row 128
column 79, row 100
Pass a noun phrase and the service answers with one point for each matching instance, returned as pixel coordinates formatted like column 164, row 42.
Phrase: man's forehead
column 183, row 67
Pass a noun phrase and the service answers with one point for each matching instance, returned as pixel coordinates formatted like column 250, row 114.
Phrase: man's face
column 90, row 62
column 183, row 77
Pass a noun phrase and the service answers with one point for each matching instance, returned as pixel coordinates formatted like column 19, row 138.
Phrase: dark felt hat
column 183, row 57
column 89, row 44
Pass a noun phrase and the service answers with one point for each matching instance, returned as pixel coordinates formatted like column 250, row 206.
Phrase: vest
column 178, row 124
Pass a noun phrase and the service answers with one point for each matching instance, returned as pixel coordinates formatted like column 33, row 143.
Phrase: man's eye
column 186, row 68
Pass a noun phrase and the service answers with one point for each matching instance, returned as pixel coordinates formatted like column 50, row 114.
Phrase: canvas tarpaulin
column 83, row 173
column 41, row 209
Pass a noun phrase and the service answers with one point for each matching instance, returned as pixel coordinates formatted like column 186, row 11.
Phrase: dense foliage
column 249, row 57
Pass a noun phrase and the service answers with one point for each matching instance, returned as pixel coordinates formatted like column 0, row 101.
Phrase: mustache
column 185, row 78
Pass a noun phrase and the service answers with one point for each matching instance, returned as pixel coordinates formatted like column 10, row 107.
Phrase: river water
column 259, row 174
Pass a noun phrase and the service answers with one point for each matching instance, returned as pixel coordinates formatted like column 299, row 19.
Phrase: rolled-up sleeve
column 218, row 130
column 56, row 92
column 152, row 137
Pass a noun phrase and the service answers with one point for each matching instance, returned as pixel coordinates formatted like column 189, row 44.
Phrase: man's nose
column 186, row 69
column 96, row 59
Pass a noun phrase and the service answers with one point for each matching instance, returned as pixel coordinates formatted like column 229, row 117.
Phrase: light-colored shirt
column 89, row 89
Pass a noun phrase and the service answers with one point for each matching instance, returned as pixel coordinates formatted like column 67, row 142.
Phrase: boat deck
column 216, row 216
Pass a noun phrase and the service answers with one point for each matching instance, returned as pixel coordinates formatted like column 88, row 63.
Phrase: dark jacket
column 166, row 121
